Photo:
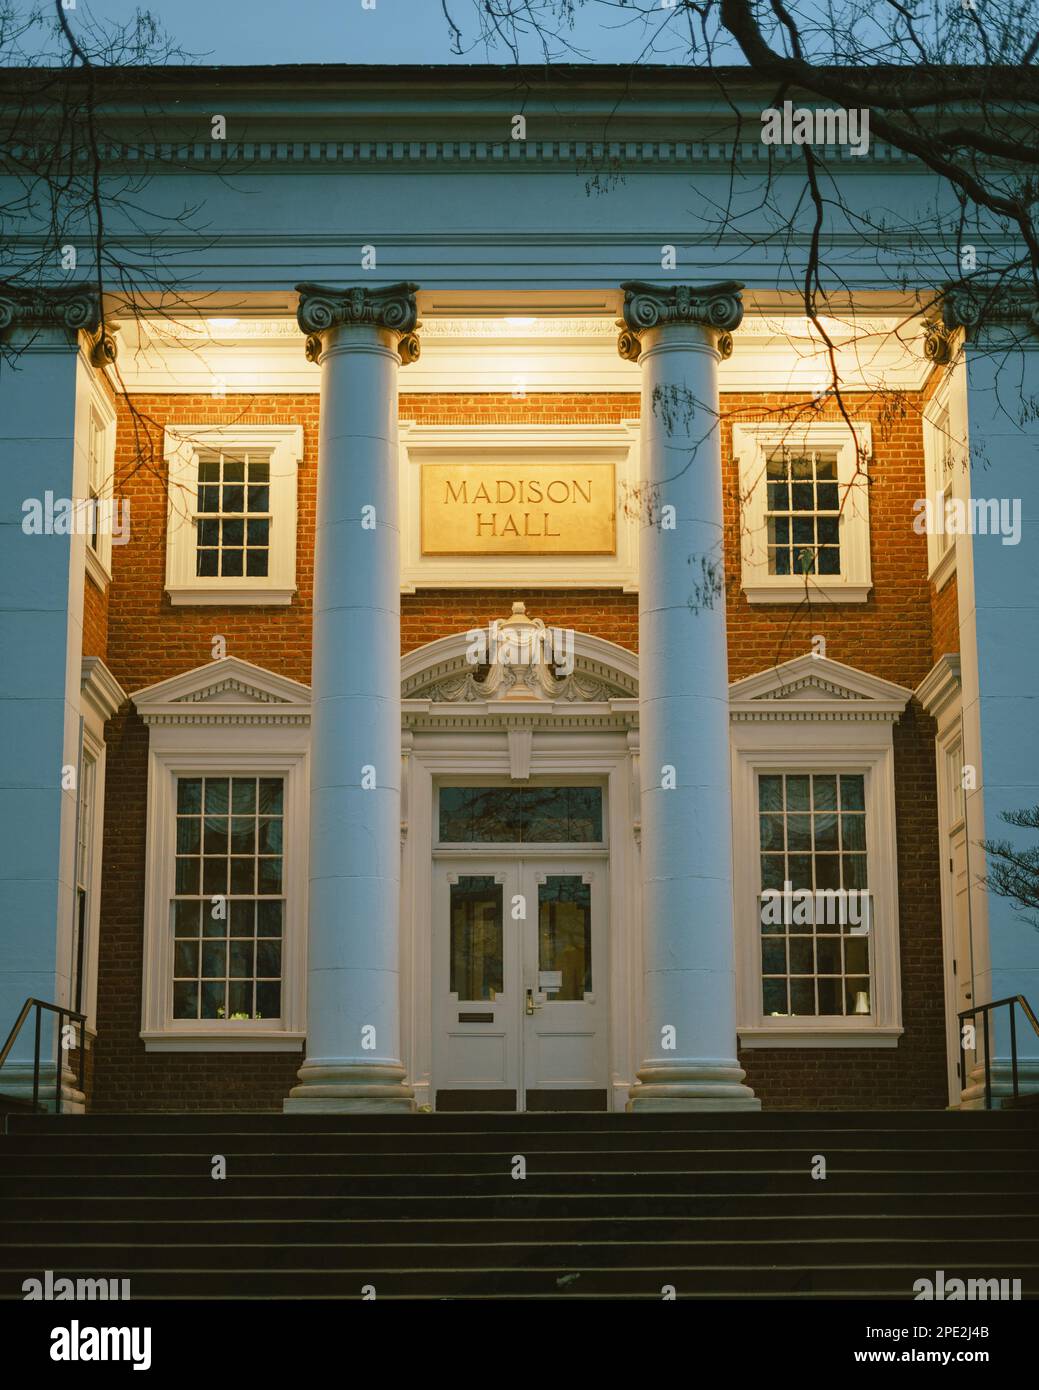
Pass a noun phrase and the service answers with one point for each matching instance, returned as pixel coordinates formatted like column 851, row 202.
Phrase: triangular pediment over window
column 227, row 691
column 816, row 688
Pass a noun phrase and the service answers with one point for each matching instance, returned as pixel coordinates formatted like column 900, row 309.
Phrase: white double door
column 520, row 983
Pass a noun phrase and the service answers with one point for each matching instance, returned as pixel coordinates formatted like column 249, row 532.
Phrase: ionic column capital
column 322, row 308
column 1011, row 304
column 717, row 308
column 68, row 307
column 937, row 345
column 103, row 348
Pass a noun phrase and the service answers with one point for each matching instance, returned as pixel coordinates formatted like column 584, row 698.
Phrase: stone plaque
column 519, row 508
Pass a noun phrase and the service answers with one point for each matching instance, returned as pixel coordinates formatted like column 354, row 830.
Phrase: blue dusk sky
column 392, row 31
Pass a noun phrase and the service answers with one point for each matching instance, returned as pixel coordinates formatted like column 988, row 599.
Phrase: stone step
column 543, row 1180
column 95, row 1147
column 612, row 1207
column 757, row 1122
column 463, row 1165
column 451, row 1226
column 292, row 1206
column 802, row 1278
column 532, row 1252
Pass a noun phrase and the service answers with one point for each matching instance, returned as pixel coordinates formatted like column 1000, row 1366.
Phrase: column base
column 973, row 1096
column 691, row 1087
column 330, row 1088
column 17, row 1083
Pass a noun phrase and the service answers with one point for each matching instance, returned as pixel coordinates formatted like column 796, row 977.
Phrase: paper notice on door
column 549, row 980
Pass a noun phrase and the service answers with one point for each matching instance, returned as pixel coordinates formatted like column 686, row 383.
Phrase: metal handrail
column 985, row 1010
column 39, row 1005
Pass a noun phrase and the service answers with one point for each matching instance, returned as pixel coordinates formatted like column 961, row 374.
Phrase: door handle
column 531, row 1006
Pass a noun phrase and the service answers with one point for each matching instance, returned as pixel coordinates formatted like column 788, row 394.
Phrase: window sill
column 816, row 593
column 944, row 569
column 224, row 598
column 97, row 571
column 219, row 1040
column 800, row 1036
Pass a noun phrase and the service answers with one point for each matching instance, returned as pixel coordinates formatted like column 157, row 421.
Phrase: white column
column 678, row 334
column 42, row 372
column 995, row 407
column 360, row 337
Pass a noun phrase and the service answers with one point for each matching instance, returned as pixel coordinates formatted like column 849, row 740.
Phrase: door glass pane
column 476, row 937
column 565, row 935
column 520, row 815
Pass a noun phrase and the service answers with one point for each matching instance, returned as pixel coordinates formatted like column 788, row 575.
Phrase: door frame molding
column 606, row 754
column 940, row 694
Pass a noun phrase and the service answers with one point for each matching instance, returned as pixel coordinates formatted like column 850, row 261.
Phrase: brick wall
column 945, row 619
column 95, row 620
column 890, row 635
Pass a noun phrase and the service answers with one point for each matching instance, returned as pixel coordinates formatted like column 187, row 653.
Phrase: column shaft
column 689, row 1023
column 41, row 616
column 998, row 593
column 353, row 1005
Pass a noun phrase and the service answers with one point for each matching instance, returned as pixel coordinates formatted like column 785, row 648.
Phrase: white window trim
column 817, row 715
column 940, row 567
column 182, row 445
column 751, row 443
column 96, row 402
column 235, row 718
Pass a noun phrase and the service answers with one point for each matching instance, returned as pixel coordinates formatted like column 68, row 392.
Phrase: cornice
column 221, row 720
column 941, row 684
column 100, row 687
column 490, row 717
column 588, row 157
column 858, row 715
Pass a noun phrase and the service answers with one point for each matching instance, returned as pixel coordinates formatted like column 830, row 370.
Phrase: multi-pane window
column 229, row 905
column 942, row 466
column 234, row 514
column 96, row 468
column 815, row 947
column 803, row 512
column 520, row 815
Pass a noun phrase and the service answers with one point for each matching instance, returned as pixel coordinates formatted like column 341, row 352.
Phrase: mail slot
column 475, row 1018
